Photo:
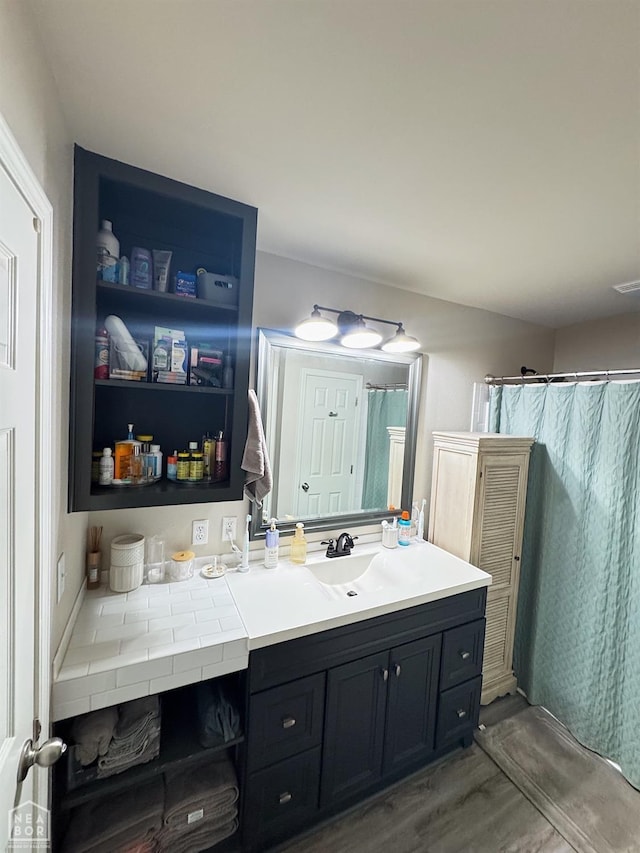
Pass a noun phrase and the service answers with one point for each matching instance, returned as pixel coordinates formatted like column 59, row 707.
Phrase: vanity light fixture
column 353, row 332
column 316, row 327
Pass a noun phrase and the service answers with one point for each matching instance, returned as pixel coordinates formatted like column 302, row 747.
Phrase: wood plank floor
column 462, row 804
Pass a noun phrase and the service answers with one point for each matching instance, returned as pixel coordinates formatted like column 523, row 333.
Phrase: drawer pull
column 385, row 674
column 397, row 669
column 285, row 798
column 288, row 723
column 461, row 714
column 465, row 655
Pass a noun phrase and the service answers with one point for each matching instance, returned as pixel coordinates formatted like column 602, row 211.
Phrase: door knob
column 305, row 487
column 43, row 756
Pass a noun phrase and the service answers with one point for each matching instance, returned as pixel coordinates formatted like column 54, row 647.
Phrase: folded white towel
column 255, row 460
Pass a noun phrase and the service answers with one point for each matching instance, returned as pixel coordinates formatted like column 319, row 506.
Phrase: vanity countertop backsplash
column 162, row 636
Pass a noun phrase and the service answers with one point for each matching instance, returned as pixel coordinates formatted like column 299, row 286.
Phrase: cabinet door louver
column 495, row 643
column 499, row 521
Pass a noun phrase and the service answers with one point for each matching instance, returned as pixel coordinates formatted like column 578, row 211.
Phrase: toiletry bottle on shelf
column 182, row 466
column 208, row 455
column 106, row 467
column 101, row 362
column 172, row 466
column 123, row 454
column 124, row 270
column 220, row 464
column 271, row 546
column 299, row 546
column 404, row 528
column 156, row 463
column 107, row 252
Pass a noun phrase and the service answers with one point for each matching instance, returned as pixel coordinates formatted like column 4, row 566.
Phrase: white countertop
column 288, row 602
column 158, row 637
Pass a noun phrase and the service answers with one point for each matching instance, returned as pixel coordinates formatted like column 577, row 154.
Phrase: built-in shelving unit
column 201, row 229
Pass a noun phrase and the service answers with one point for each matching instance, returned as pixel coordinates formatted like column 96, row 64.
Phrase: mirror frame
column 266, row 382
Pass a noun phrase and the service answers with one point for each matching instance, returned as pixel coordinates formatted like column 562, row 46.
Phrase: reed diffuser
column 93, row 558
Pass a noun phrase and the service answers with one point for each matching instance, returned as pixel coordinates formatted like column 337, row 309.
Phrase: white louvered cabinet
column 477, row 508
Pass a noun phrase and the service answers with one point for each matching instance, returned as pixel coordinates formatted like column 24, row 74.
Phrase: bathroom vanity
column 341, row 694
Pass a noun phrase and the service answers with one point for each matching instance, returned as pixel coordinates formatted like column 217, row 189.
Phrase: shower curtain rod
column 389, row 386
column 581, row 374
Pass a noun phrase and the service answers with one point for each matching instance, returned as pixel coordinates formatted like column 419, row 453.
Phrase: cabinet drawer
column 461, row 654
column 285, row 720
column 458, row 711
column 281, row 799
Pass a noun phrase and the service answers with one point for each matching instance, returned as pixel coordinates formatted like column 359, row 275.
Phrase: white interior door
column 18, row 447
column 327, row 454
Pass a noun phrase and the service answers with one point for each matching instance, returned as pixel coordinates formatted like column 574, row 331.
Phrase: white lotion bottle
column 271, row 546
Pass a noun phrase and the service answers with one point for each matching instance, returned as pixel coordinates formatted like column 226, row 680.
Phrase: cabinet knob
column 385, row 674
column 465, row 655
column 517, row 558
column 285, row 798
column 397, row 669
column 461, row 714
column 288, row 723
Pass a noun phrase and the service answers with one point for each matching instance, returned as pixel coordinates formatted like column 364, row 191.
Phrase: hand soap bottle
column 271, row 546
column 299, row 546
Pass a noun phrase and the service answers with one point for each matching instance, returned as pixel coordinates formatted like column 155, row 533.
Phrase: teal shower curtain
column 577, row 648
column 387, row 407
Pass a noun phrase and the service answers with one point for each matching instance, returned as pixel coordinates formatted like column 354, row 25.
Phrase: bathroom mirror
column 341, row 432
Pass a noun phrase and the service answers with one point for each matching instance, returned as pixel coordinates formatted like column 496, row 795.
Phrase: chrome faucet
column 342, row 547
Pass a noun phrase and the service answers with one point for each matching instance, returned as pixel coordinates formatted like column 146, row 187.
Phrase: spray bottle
column 271, row 546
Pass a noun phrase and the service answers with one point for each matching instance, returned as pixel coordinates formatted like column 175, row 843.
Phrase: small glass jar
column 181, row 565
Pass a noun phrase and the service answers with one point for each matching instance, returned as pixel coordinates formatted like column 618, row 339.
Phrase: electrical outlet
column 229, row 527
column 200, row 532
column 61, row 576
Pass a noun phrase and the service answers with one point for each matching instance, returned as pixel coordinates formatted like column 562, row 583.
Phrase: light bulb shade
column 401, row 342
column 316, row 328
column 360, row 336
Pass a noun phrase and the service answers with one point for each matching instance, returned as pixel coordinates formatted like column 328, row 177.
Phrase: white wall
column 608, row 344
column 29, row 103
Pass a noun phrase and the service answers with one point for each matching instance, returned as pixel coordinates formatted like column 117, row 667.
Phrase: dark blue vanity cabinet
column 337, row 716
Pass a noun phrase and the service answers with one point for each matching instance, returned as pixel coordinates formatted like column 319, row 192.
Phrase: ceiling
column 486, row 152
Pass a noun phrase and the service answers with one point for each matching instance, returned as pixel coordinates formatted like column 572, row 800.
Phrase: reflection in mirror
column 340, row 428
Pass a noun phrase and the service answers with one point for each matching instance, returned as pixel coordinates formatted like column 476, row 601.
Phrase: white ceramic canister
column 127, row 562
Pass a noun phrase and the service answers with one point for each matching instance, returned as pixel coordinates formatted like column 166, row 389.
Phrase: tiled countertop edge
column 58, row 658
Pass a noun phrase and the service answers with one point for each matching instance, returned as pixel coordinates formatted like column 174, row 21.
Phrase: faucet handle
column 328, row 542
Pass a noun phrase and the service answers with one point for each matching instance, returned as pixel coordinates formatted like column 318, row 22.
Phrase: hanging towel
column 255, row 461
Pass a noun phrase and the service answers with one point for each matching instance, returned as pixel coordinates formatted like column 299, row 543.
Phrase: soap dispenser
column 271, row 546
column 299, row 546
